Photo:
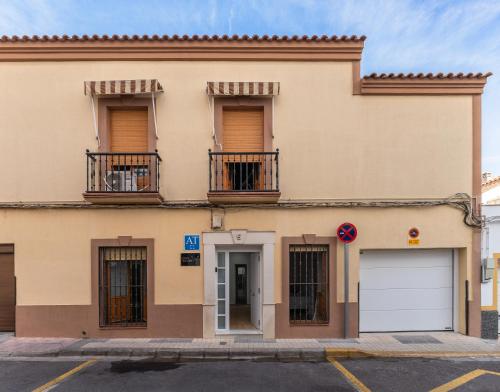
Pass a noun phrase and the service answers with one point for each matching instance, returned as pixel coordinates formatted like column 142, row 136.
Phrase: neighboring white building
column 490, row 189
column 491, row 240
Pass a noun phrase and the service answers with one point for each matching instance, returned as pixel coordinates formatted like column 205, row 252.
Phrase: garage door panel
column 413, row 258
column 405, row 299
column 420, row 320
column 406, row 290
column 387, row 278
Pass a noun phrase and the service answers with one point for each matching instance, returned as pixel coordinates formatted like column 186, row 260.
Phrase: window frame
column 95, row 264
column 334, row 326
column 104, row 108
column 105, row 289
column 326, row 277
column 243, row 102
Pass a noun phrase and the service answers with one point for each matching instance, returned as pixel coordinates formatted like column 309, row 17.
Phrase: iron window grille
column 309, row 284
column 122, row 286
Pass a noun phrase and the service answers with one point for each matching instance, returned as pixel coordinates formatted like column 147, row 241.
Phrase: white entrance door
column 406, row 290
column 223, row 289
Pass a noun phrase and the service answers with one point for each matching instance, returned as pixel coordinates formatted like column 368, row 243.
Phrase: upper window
column 243, row 129
column 128, row 129
column 122, row 286
column 309, row 284
column 243, row 133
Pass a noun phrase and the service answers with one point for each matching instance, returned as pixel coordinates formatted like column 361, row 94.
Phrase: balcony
column 243, row 177
column 123, row 178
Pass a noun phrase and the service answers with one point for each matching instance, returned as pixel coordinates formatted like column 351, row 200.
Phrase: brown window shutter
column 243, row 130
column 129, row 130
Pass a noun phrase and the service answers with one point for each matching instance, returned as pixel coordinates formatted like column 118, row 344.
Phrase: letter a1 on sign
column 347, row 232
column 191, row 242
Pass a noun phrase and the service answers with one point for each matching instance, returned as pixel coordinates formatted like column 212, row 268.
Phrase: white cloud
column 30, row 17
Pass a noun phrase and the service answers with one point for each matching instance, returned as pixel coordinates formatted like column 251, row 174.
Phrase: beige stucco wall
column 52, row 247
column 333, row 144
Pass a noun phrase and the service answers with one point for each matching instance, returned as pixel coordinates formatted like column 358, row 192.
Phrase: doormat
column 416, row 339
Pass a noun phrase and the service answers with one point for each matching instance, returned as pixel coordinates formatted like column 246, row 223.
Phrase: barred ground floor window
column 122, row 286
column 309, row 284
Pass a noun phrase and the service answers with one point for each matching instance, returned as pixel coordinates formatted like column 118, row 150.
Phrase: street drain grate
column 416, row 339
column 172, row 340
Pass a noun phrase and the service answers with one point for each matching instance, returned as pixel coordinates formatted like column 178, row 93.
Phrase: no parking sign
column 347, row 232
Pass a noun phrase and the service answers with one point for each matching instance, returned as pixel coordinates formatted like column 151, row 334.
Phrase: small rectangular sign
column 191, row 242
column 190, row 259
column 413, row 241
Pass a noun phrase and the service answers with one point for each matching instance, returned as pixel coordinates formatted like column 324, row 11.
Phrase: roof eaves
column 202, row 38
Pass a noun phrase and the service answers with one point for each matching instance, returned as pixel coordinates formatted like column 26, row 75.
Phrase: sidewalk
column 386, row 345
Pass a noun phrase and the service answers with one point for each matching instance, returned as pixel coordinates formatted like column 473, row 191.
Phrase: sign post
column 346, row 233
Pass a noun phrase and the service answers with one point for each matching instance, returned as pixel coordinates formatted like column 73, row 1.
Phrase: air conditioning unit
column 121, row 181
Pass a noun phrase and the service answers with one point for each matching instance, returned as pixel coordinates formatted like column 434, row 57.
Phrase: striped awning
column 243, row 88
column 121, row 87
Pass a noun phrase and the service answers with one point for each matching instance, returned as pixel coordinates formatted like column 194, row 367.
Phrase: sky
column 402, row 35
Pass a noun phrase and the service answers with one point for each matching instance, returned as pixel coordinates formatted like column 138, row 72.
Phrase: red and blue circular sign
column 347, row 232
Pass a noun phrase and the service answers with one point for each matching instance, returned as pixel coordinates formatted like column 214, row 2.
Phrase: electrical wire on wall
column 461, row 201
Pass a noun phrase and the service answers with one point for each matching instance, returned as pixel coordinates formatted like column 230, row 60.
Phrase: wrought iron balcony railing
column 243, row 171
column 127, row 172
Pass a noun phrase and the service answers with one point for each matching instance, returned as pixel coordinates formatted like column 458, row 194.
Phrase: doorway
column 238, row 292
column 7, row 289
column 241, row 283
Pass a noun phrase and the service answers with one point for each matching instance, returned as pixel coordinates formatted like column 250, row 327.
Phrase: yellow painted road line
column 69, row 373
column 463, row 380
column 350, row 377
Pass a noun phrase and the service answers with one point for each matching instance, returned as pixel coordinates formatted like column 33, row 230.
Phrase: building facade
column 193, row 186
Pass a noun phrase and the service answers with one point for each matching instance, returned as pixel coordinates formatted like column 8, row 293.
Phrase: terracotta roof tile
column 155, row 37
column 440, row 75
column 493, row 183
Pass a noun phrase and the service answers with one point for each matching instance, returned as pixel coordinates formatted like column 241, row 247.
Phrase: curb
column 228, row 354
column 347, row 353
column 357, row 353
column 185, row 354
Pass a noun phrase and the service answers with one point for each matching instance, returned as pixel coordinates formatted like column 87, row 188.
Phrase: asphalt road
column 151, row 375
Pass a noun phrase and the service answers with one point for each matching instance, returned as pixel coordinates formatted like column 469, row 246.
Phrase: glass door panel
column 222, row 308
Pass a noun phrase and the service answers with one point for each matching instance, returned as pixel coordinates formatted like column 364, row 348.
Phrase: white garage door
column 406, row 290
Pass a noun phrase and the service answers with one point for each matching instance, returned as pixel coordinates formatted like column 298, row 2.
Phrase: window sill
column 123, row 197
column 114, row 328
column 235, row 197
